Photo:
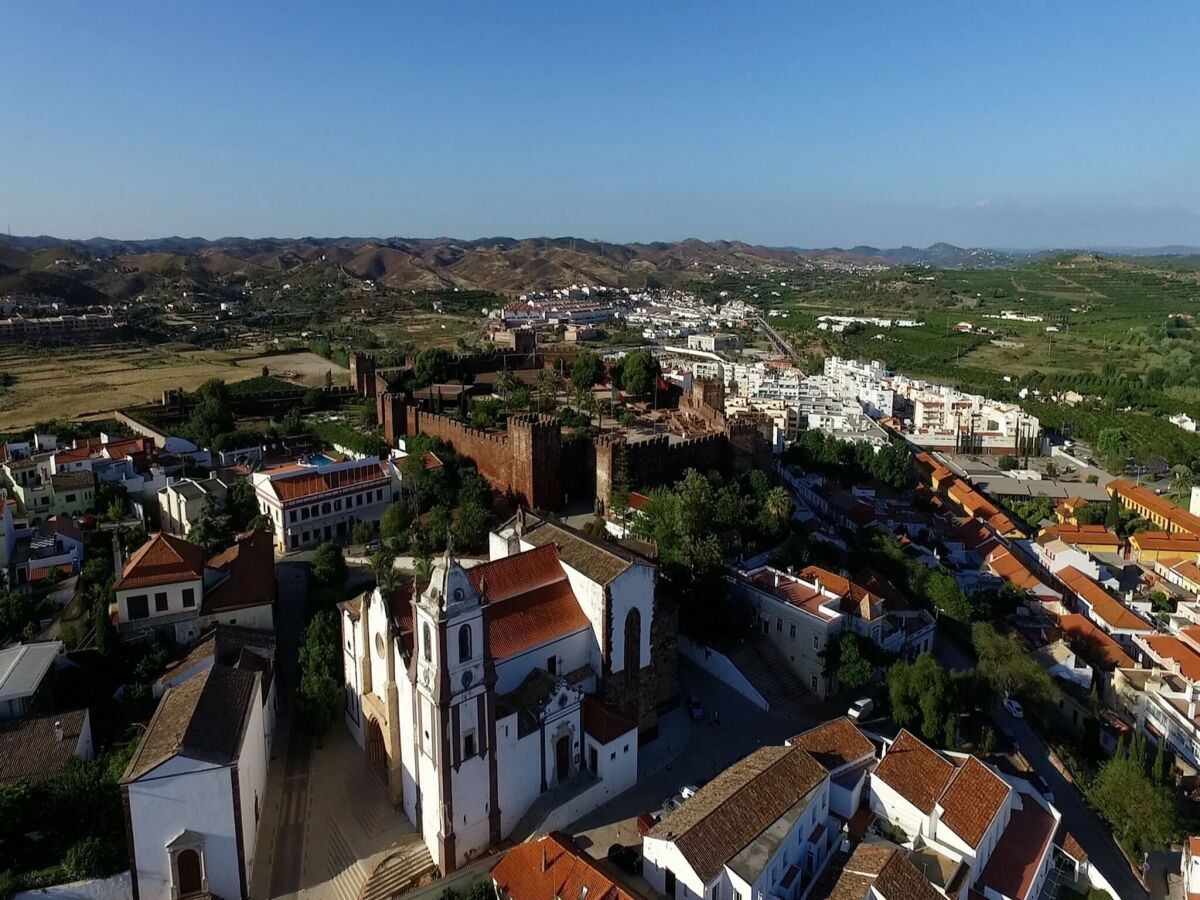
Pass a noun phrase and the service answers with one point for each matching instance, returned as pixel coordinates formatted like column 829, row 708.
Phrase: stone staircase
column 766, row 669
column 399, row 872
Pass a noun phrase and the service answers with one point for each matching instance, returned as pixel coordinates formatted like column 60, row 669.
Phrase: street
column 1078, row 818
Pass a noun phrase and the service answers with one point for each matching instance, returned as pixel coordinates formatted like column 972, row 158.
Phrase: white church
column 525, row 677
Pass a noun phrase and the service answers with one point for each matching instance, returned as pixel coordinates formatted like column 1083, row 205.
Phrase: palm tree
column 549, row 384
column 384, row 569
column 778, row 504
column 1183, row 478
column 423, row 567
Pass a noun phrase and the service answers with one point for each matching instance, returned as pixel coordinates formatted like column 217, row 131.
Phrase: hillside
column 88, row 271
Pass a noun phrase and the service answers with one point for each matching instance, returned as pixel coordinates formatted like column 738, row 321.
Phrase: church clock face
column 467, row 677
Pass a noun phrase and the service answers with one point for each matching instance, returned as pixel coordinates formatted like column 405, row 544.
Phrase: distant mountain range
column 83, row 271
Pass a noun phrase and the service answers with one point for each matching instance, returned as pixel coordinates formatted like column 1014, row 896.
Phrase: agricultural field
column 56, row 383
column 301, row 367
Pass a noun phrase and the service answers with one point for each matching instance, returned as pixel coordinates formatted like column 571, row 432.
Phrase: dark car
column 625, row 858
column 695, row 707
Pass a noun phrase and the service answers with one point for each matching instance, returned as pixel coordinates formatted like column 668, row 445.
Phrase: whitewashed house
column 194, row 789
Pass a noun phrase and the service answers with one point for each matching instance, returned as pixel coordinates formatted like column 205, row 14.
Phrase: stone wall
column 657, row 686
column 657, row 461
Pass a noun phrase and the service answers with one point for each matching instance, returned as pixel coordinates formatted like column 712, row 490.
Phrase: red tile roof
column 250, row 569
column 517, row 573
column 1179, row 519
column 1095, row 535
column 603, row 722
column 974, row 798
column 1107, row 607
column 914, row 771
column 532, row 618
column 554, row 868
column 1170, row 647
column 432, row 463
column 1162, row 542
column 164, row 559
column 1014, row 863
column 1003, row 563
column 1093, row 644
column 835, row 744
column 312, row 483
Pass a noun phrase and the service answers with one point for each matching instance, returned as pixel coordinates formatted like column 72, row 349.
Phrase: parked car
column 373, row 546
column 625, row 858
column 695, row 707
column 671, row 804
column 1044, row 787
column 688, row 791
column 1013, row 708
column 860, row 709
column 646, row 821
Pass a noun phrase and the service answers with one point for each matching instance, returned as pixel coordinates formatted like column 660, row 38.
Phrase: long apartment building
column 1159, row 510
column 319, row 500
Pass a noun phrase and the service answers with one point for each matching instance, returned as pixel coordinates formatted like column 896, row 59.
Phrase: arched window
column 464, row 643
column 426, row 642
column 191, row 879
column 633, row 647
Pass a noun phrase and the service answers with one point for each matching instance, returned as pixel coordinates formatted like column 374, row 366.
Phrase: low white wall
column 719, row 666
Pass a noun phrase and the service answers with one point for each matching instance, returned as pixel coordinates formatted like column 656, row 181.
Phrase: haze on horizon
column 1021, row 125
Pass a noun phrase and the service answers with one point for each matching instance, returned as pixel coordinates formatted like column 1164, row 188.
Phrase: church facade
column 523, row 679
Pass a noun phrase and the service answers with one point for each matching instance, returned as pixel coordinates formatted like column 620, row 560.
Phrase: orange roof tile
column 835, row 744
column 517, row 573
column 603, row 722
column 1096, row 535
column 1170, row 647
column 1107, row 607
column 1162, row 542
column 250, row 568
column 1180, row 519
column 553, row 868
column 972, row 801
column 914, row 771
column 164, row 559
column 523, row 622
column 1093, row 644
column 1014, row 863
column 1004, row 564
column 311, row 483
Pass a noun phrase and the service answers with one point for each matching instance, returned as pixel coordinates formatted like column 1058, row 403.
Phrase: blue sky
column 1002, row 124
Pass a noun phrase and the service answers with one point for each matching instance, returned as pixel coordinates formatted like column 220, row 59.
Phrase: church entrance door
column 562, row 752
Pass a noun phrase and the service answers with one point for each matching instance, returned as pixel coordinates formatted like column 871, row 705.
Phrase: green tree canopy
column 430, row 366
column 639, row 373
column 319, row 694
column 328, row 566
column 588, row 370
column 1008, row 669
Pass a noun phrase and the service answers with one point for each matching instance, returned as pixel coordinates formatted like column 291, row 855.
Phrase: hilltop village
column 561, row 616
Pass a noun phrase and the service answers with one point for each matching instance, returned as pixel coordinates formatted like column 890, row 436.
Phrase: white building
column 312, row 502
column 526, row 674
column 181, row 501
column 761, row 828
column 194, row 789
column 988, row 831
column 23, row 673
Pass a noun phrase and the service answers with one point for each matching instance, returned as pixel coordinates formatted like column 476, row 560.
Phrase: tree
column 1112, row 516
column 430, row 366
column 1008, row 669
column 213, row 529
column 362, row 532
column 847, row 661
column 1159, row 772
column 1143, row 816
column 328, row 566
column 919, row 695
column 639, row 373
column 1008, row 463
column 211, row 412
column 384, row 569
column 470, row 526
column 115, row 511
column 1113, row 445
column 319, row 694
column 549, row 386
column 587, row 371
column 241, row 503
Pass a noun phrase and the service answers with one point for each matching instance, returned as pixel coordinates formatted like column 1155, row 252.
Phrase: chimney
column 58, row 731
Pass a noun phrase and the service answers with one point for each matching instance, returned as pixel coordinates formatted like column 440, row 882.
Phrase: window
column 464, row 643
column 779, row 624
column 303, row 512
column 337, row 505
column 379, row 494
column 814, row 682
column 816, row 641
column 358, row 501
column 468, row 745
column 189, row 597
column 295, row 542
column 426, row 642
column 792, row 630
column 70, row 498
column 325, row 508
column 139, row 606
column 292, row 516
column 552, row 665
column 716, row 893
column 160, row 602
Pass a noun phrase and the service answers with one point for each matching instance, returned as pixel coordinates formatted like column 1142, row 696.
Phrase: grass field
column 64, row 383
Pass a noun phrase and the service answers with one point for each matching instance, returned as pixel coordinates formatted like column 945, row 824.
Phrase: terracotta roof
column 1004, row 564
column 432, row 463
column 311, row 483
column 1162, row 542
column 554, row 868
column 899, row 879
column 1187, row 570
column 30, row 751
column 733, row 809
column 1180, row 519
column 1013, row 864
column 1093, row 644
column 877, row 870
column 1096, row 535
column 835, row 744
column 533, row 618
column 1072, row 847
column 249, row 569
column 1170, row 647
column 203, row 719
column 226, row 645
column 1107, row 607
column 974, row 798
column 638, row 501
column 164, row 559
column 60, row 525
column 914, row 771
column 516, row 574
column 69, row 481
column 603, row 722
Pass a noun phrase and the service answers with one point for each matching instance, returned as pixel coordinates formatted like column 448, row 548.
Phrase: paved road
column 1093, row 835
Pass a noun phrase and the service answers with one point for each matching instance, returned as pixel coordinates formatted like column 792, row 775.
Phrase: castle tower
column 362, row 374
column 458, row 811
column 536, row 445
